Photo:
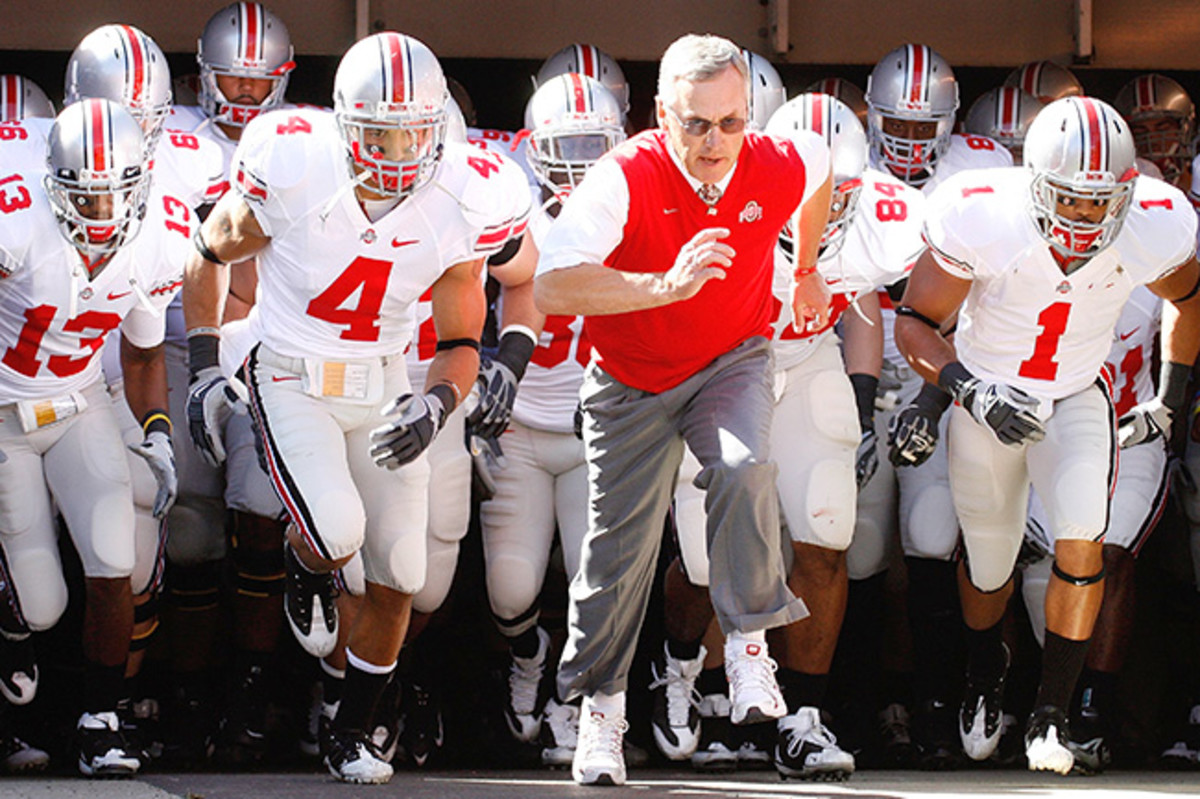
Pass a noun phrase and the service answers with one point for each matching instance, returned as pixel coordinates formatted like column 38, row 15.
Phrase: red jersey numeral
column 23, row 357
column 1053, row 322
column 184, row 141
column 980, row 143
column 13, row 198
column 558, row 349
column 887, row 189
column 294, row 125
column 361, row 321
column 484, row 166
column 176, row 207
column 1131, row 364
column 1165, row 202
column 10, row 131
column 891, row 210
column 967, row 192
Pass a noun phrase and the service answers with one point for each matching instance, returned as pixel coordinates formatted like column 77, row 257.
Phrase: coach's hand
column 702, row 259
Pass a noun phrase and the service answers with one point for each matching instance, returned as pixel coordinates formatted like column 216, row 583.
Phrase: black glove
column 402, row 441
column 1008, row 412
column 498, row 378
column 913, row 432
column 866, row 461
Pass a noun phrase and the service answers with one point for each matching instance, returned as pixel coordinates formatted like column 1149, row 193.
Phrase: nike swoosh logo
column 405, row 243
column 114, row 296
column 670, row 210
column 275, row 379
column 1130, row 333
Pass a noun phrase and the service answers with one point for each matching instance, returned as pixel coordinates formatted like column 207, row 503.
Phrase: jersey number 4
column 361, row 320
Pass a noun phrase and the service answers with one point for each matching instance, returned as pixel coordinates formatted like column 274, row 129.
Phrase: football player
column 1042, row 285
column 541, row 484
column 912, row 98
column 1045, row 80
column 60, row 297
column 353, row 216
column 1162, row 118
column 1003, row 114
column 21, row 98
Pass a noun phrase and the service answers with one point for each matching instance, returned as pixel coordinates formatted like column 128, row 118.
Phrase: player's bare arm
column 516, row 278
column 810, row 294
column 862, row 329
column 459, row 311
column 230, row 234
column 145, row 378
column 935, row 295
column 1181, row 313
column 596, row 290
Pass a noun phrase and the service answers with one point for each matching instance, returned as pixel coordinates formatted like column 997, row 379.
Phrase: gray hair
column 696, row 58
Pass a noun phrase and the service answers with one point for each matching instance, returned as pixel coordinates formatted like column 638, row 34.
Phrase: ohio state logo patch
column 751, row 213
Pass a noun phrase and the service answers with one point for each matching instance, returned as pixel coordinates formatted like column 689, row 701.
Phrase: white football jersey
column 1132, row 350
column 51, row 324
column 966, row 151
column 332, row 283
column 23, row 145
column 549, row 391
column 881, row 246
column 1024, row 322
column 510, row 144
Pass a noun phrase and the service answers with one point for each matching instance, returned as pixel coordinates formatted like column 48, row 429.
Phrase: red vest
column 659, row 348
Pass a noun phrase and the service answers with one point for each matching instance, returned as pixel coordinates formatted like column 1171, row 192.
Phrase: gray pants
column 634, row 441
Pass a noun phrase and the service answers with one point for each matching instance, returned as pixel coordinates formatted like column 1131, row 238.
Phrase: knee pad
column 441, row 560
column 194, row 589
column 837, row 420
column 257, row 545
column 513, row 588
column 511, row 627
column 991, row 576
column 829, row 506
column 929, row 529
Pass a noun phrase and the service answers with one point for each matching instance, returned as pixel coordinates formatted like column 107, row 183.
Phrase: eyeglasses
column 695, row 126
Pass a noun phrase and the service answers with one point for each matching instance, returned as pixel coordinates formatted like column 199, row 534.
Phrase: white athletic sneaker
column 103, row 751
column 560, row 733
column 807, row 750
column 752, row 688
column 351, row 757
column 599, row 756
column 981, row 715
column 675, row 718
column 524, row 678
column 1046, row 741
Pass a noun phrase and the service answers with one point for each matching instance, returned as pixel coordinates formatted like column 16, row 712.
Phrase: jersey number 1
column 1053, row 322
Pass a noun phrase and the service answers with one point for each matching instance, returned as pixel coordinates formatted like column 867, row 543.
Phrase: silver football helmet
column 1080, row 151
column 20, row 98
column 573, row 120
column 122, row 64
column 1004, row 114
column 97, row 178
column 766, row 93
column 242, row 40
column 845, row 91
column 389, row 97
column 837, row 124
column 1162, row 118
column 912, row 98
column 586, row 59
column 1045, row 80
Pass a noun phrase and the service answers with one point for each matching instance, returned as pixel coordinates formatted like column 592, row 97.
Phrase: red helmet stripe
column 1031, row 77
column 252, row 31
column 1010, row 100
column 97, row 113
column 918, row 62
column 136, row 65
column 818, row 114
column 395, row 59
column 579, row 100
column 589, row 61
column 1094, row 143
column 1144, row 90
column 10, row 97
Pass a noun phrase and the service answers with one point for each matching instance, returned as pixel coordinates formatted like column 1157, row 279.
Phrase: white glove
column 497, row 393
column 211, row 399
column 1143, row 423
column 159, row 455
column 1008, row 412
column 867, row 457
column 487, row 458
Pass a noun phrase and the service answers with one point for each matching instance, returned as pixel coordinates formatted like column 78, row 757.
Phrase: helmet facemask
column 912, row 160
column 225, row 111
column 98, row 213
column 1080, row 238
column 1164, row 140
column 560, row 156
column 397, row 148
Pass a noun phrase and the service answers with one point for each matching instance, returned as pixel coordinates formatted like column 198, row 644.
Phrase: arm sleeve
column 592, row 221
